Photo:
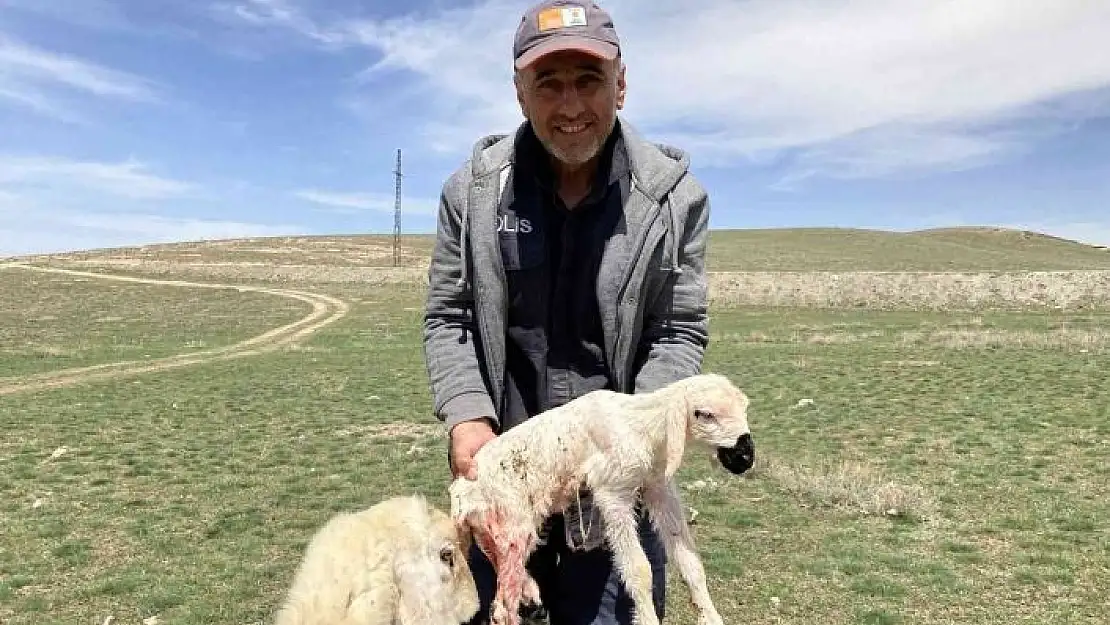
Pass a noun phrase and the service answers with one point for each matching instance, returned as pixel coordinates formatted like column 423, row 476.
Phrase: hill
column 787, row 249
column 938, row 250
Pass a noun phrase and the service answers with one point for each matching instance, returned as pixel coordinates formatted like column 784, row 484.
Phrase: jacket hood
column 656, row 167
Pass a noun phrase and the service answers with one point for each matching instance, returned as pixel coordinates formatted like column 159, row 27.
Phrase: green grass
column 928, row 480
column 50, row 322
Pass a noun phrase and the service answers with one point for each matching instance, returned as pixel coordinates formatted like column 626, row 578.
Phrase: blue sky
column 143, row 121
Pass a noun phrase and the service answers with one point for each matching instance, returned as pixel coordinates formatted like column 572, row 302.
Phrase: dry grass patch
column 1064, row 290
column 1084, row 340
column 368, row 250
column 911, row 332
column 910, row 363
column 851, row 486
column 798, row 336
column 839, row 338
column 414, row 273
column 783, row 249
column 846, row 249
column 908, row 284
column 392, row 431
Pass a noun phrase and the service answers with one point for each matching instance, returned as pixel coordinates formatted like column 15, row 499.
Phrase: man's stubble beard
column 583, row 154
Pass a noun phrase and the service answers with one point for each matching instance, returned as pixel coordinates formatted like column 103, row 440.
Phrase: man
column 569, row 257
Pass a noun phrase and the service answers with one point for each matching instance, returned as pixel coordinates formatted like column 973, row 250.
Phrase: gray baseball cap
column 555, row 25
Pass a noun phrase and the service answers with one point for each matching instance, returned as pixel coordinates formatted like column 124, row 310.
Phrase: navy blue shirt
column 555, row 345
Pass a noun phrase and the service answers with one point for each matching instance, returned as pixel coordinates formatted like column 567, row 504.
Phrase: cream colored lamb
column 619, row 446
column 399, row 562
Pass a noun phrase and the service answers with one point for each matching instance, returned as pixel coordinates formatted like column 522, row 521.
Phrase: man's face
column 572, row 99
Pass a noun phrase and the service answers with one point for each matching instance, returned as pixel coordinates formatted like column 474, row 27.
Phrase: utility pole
column 397, row 213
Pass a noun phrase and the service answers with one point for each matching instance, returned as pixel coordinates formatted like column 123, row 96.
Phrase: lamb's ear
column 677, row 422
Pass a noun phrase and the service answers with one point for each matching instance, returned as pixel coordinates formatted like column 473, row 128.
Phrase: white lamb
column 399, row 562
column 619, row 446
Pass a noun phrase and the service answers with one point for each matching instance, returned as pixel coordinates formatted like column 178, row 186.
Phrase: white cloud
column 278, row 13
column 357, row 202
column 40, row 80
column 127, row 179
column 47, row 230
column 347, row 202
column 883, row 152
column 839, row 88
column 53, row 204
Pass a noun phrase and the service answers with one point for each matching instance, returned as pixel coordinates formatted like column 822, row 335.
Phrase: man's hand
column 466, row 439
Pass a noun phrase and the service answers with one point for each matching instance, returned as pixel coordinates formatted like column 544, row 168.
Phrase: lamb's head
column 436, row 581
column 455, row 570
column 719, row 418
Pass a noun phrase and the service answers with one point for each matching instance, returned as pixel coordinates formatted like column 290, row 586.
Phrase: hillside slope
column 793, row 249
column 949, row 249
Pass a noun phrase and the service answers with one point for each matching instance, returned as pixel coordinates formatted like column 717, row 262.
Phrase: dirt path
column 325, row 310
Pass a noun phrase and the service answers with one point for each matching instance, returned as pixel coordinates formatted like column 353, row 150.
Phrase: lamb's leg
column 665, row 507
column 531, row 591
column 627, row 552
column 490, row 541
column 508, row 549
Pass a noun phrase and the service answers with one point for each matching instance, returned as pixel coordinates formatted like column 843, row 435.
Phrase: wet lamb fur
column 399, row 562
column 619, row 446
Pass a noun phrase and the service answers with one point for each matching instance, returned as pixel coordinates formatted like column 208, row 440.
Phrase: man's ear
column 622, row 86
column 518, row 83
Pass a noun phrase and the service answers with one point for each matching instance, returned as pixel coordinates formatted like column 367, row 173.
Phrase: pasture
column 914, row 464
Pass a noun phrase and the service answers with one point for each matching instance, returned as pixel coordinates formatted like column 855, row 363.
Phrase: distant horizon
column 4, row 256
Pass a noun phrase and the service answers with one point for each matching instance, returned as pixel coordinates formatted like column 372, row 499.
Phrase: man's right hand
column 466, row 439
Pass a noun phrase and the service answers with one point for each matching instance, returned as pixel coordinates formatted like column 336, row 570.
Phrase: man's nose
column 570, row 101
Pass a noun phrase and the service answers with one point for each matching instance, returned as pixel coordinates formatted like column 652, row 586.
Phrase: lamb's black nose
column 740, row 457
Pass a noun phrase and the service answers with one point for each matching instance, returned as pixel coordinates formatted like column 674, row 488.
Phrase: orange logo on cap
column 561, row 17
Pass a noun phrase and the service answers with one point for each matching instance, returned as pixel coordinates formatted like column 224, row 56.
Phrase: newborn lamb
column 399, row 562
column 619, row 446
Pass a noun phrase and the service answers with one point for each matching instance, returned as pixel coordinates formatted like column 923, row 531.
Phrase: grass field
column 913, row 466
column 52, row 321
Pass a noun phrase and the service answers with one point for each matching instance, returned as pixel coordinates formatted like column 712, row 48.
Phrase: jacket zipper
column 632, row 306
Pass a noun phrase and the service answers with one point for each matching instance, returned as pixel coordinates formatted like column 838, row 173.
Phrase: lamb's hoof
column 533, row 614
column 531, row 596
column 499, row 615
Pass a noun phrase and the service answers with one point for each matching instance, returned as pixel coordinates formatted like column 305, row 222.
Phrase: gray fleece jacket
column 651, row 285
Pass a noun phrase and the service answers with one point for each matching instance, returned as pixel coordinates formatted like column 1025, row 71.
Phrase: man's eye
column 547, row 88
column 588, row 83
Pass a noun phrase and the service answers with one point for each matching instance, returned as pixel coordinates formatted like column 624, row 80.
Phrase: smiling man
column 569, row 257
